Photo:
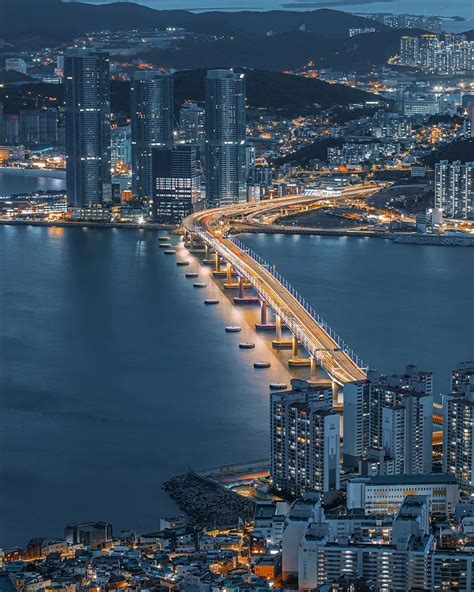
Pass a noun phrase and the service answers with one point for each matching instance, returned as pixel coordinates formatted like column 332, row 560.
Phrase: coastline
column 397, row 238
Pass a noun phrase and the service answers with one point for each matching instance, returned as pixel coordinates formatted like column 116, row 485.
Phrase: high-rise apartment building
column 390, row 418
column 401, row 419
column 409, row 50
column 305, row 434
column 454, row 189
column 356, row 422
column 225, row 137
column 458, row 410
column 152, row 125
column 192, row 123
column 87, row 100
column 176, row 182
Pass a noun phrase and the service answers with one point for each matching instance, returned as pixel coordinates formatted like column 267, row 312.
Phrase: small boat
column 199, row 285
column 165, row 245
column 261, row 364
column 170, row 252
column 232, row 329
column 191, row 274
column 278, row 386
column 182, row 263
column 246, row 345
column 164, row 238
column 211, row 301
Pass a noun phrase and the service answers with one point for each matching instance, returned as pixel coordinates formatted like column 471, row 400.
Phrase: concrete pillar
column 218, row 263
column 229, row 273
column 294, row 346
column 278, row 327
column 263, row 312
column 314, row 368
column 241, row 287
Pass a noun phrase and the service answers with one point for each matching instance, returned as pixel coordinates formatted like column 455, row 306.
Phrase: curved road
column 336, row 359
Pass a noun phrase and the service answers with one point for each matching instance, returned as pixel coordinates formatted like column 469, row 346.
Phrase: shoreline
column 396, row 238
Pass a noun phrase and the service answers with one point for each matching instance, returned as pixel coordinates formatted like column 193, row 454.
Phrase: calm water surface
column 15, row 182
column 115, row 376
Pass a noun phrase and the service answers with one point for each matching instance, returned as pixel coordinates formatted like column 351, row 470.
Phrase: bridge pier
column 218, row 272
column 229, row 284
column 280, row 343
column 264, row 325
column 295, row 361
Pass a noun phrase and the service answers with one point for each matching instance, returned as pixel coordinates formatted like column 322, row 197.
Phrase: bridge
column 325, row 348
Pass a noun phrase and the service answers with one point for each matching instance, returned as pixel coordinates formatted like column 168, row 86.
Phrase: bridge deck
column 317, row 341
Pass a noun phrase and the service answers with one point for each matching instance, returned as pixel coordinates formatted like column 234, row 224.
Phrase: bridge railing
column 317, row 318
column 341, row 344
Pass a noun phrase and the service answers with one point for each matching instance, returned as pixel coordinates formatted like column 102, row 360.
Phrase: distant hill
column 40, row 22
column 462, row 150
column 266, row 90
column 283, row 51
column 274, row 90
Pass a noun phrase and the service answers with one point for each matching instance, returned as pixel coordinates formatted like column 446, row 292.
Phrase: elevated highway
column 323, row 345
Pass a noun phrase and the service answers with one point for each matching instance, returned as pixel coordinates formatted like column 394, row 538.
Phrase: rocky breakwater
column 208, row 503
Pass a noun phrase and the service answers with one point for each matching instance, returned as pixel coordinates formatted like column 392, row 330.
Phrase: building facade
column 176, row 182
column 454, row 189
column 87, row 100
column 151, row 125
column 305, row 435
column 225, row 137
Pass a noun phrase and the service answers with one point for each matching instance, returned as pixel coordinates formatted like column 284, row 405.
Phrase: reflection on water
column 114, row 375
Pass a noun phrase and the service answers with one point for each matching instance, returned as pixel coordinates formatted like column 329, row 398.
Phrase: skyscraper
column 87, row 100
column 152, row 125
column 401, row 419
column 409, row 50
column 305, row 434
column 176, row 183
column 454, row 189
column 458, row 410
column 225, row 137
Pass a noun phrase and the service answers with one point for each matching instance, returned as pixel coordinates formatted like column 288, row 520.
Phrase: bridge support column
column 241, row 287
column 280, row 343
column 295, row 361
column 229, row 284
column 294, row 346
column 263, row 312
column 278, row 327
column 218, row 263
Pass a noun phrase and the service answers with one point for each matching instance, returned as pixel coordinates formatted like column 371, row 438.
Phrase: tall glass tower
column 87, row 101
column 152, row 125
column 225, row 137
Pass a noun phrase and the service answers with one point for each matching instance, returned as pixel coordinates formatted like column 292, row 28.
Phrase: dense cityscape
column 198, row 130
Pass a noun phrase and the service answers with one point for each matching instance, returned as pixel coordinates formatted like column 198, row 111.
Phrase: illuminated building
column 305, row 433
column 381, row 495
column 410, row 50
column 152, row 125
column 400, row 419
column 225, row 137
column 454, row 189
column 396, row 566
column 356, row 422
column 87, row 100
column 176, row 182
column 458, row 408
